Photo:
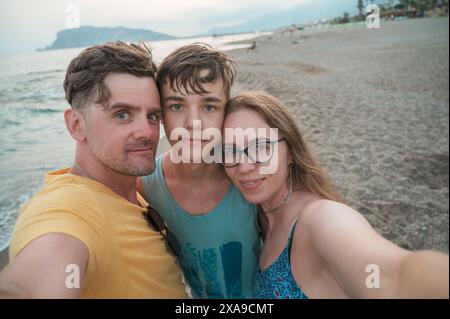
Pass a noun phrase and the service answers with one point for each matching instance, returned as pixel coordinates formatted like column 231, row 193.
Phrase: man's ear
column 75, row 124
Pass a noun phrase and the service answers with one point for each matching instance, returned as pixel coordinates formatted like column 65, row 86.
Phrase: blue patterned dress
column 277, row 281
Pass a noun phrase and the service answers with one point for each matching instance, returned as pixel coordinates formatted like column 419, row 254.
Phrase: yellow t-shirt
column 127, row 259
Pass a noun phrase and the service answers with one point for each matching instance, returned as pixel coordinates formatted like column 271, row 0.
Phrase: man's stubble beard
column 123, row 167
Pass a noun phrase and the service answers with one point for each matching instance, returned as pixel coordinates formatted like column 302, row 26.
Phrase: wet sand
column 374, row 107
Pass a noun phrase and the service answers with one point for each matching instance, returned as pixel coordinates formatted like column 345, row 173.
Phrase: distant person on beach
column 252, row 47
column 84, row 234
column 213, row 223
column 314, row 245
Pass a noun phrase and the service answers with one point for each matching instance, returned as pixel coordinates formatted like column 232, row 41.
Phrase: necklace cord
column 288, row 195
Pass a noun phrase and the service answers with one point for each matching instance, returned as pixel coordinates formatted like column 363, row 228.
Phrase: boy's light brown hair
column 86, row 73
column 183, row 69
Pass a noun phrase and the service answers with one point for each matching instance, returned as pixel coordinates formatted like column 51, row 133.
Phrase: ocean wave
column 7, row 151
column 4, row 123
column 46, row 72
column 13, row 113
column 43, row 110
column 46, row 110
column 41, row 97
column 16, row 116
column 35, row 91
column 37, row 79
column 9, row 209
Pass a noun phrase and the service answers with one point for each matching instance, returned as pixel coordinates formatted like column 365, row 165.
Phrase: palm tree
column 360, row 8
column 405, row 3
column 345, row 18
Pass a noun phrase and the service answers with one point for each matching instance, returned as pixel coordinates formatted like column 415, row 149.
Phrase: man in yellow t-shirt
column 84, row 234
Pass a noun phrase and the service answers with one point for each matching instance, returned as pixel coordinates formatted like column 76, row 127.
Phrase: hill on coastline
column 88, row 35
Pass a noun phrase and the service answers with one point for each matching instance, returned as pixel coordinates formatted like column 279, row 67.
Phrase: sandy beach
column 374, row 107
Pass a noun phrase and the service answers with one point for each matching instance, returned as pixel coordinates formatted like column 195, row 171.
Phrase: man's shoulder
column 69, row 193
column 60, row 207
column 69, row 197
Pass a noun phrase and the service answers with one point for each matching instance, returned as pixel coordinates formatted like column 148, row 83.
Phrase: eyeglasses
column 156, row 222
column 260, row 152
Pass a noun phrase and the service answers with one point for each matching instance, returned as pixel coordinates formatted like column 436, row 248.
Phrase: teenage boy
column 213, row 223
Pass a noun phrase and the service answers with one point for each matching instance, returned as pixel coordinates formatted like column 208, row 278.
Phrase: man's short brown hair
column 183, row 69
column 86, row 73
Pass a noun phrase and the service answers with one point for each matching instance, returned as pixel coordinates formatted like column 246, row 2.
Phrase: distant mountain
column 297, row 15
column 88, row 35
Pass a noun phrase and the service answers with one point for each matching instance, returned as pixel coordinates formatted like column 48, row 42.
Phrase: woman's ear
column 290, row 159
column 74, row 123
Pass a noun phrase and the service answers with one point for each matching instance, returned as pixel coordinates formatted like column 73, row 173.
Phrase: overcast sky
column 27, row 24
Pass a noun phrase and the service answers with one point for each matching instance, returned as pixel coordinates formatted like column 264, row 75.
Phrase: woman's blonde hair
column 306, row 171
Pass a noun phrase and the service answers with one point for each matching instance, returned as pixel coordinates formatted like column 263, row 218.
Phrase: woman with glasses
column 314, row 245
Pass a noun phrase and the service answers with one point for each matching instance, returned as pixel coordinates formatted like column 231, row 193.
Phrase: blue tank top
column 277, row 281
column 219, row 250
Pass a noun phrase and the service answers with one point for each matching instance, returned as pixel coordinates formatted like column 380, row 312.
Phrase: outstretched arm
column 424, row 274
column 366, row 265
column 48, row 267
